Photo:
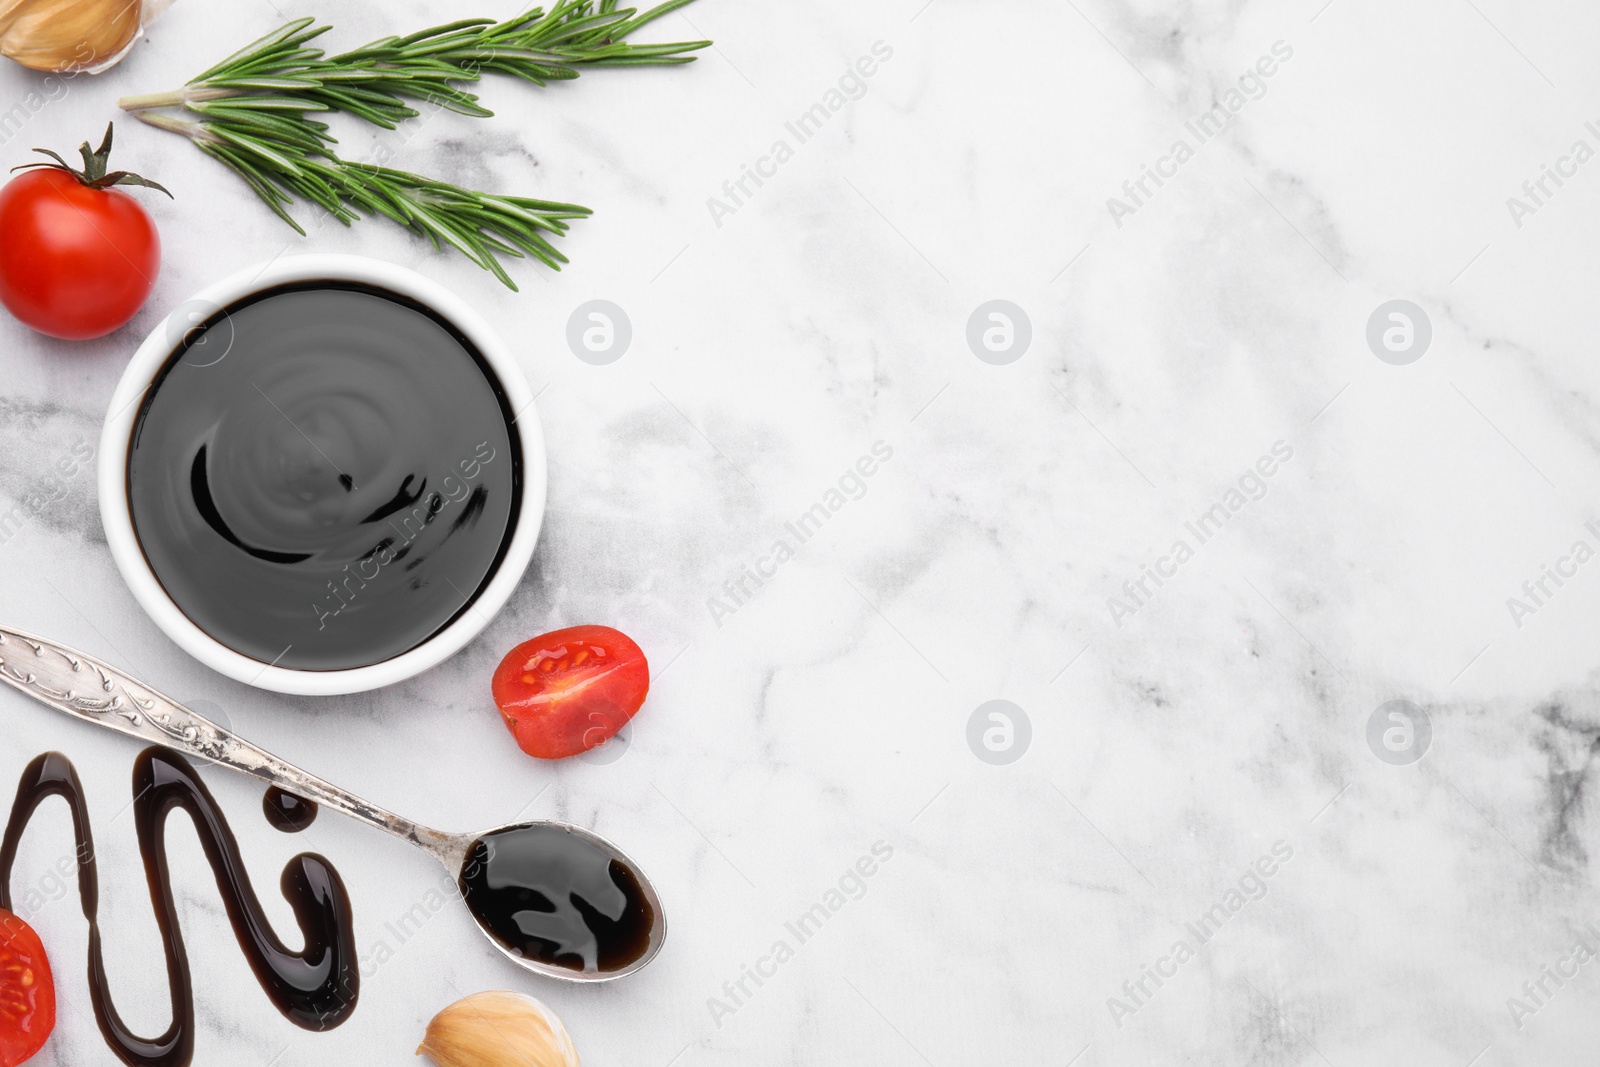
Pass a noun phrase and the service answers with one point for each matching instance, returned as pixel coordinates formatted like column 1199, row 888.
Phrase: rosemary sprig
column 282, row 72
column 252, row 112
column 483, row 226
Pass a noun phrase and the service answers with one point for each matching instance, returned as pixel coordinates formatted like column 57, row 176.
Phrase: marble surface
column 1204, row 652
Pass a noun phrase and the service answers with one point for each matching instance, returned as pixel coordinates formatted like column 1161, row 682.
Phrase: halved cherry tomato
column 27, row 992
column 569, row 690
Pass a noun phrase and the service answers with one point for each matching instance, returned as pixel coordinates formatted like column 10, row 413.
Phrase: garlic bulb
column 498, row 1029
column 80, row 36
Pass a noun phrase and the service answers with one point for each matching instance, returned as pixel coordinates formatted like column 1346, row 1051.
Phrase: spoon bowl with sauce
column 552, row 895
column 555, row 899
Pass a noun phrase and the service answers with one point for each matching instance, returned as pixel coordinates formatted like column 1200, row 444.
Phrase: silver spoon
column 88, row 689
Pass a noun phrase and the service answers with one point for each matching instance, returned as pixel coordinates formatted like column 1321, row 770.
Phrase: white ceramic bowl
column 128, row 399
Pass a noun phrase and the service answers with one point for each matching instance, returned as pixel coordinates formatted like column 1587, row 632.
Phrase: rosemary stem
column 176, row 98
column 195, row 131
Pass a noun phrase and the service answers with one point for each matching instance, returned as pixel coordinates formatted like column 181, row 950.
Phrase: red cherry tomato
column 27, row 992
column 77, row 257
column 75, row 262
column 570, row 690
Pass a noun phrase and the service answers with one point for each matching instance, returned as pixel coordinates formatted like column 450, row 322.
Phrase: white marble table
column 1086, row 529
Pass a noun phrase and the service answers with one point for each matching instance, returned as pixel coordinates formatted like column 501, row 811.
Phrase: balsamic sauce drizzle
column 316, row 988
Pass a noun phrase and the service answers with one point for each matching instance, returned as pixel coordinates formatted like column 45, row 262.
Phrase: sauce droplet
column 287, row 812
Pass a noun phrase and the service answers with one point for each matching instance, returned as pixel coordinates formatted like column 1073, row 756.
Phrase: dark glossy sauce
column 287, row 812
column 552, row 896
column 316, row 988
column 324, row 475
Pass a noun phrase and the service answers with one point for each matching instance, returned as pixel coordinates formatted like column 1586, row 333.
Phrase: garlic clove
column 73, row 35
column 498, row 1029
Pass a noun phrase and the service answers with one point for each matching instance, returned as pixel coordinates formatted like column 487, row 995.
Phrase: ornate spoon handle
column 86, row 688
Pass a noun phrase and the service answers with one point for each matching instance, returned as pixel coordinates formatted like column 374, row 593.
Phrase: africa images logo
column 1250, row 487
column 1250, row 887
column 410, row 526
column 1252, row 85
column 852, row 885
column 851, row 485
column 851, row 86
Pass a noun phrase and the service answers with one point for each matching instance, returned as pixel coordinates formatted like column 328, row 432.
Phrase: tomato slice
column 27, row 992
column 569, row 690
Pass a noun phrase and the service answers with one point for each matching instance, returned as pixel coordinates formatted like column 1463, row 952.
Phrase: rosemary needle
column 252, row 112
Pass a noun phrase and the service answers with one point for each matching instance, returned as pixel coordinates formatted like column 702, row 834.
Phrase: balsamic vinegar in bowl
column 333, row 488
column 322, row 475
